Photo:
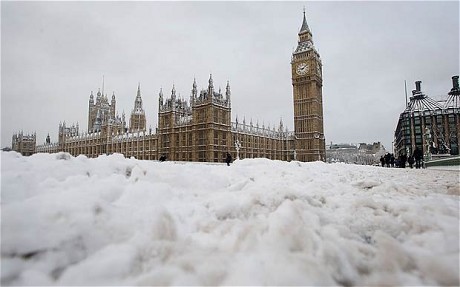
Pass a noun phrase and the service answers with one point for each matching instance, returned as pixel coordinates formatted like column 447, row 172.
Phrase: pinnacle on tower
column 173, row 92
column 194, row 94
column 210, row 87
column 304, row 27
column 160, row 96
column 227, row 91
column 138, row 101
column 210, row 81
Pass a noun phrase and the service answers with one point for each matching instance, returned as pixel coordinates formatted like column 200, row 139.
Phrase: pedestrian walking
column 387, row 160
column 228, row 159
column 410, row 161
column 418, row 155
column 402, row 160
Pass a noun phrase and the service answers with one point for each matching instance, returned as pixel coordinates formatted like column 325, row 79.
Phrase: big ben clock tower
column 307, row 83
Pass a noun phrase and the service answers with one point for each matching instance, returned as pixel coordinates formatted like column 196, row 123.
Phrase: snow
column 115, row 221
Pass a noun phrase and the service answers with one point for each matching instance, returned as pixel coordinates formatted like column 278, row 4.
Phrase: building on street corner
column 432, row 126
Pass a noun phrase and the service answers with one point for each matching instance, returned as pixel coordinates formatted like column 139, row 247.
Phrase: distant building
column 24, row 143
column 430, row 125
column 373, row 148
column 361, row 153
column 201, row 129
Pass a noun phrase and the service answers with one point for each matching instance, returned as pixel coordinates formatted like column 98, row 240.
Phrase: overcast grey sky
column 53, row 54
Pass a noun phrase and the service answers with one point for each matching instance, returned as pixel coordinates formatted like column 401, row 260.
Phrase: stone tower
column 211, row 112
column 100, row 112
column 307, row 85
column 137, row 120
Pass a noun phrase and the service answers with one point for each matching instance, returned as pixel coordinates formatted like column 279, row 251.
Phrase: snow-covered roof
column 453, row 101
column 421, row 102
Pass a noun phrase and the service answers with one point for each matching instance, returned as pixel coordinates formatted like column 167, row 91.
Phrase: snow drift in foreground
column 117, row 221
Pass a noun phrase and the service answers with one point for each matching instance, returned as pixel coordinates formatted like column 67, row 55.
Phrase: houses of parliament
column 200, row 129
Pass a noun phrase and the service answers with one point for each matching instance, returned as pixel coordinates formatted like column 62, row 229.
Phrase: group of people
column 416, row 157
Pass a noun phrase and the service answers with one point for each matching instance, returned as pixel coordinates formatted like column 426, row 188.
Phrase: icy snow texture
column 115, row 221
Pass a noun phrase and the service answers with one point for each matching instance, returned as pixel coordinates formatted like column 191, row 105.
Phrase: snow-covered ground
column 117, row 221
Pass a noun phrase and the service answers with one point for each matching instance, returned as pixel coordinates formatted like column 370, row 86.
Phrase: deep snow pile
column 117, row 221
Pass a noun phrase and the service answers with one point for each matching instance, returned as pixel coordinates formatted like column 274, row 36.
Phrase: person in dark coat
column 228, row 159
column 418, row 155
column 162, row 157
column 392, row 160
column 410, row 161
column 387, row 160
column 382, row 161
column 402, row 160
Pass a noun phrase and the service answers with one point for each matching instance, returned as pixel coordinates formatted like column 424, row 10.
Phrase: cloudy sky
column 53, row 54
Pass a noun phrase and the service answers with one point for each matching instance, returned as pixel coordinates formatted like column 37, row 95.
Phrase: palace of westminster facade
column 201, row 129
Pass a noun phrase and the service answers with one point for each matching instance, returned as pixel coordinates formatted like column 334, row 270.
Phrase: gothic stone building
column 201, row 129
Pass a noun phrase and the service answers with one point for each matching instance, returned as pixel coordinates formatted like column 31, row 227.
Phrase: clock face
column 302, row 69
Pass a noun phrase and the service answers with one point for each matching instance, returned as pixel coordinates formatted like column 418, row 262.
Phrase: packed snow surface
column 115, row 221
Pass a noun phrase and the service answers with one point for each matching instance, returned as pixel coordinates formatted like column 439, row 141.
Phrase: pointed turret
column 137, row 120
column 210, row 86
column 194, row 94
column 160, row 97
column 138, row 101
column 98, row 96
column 194, row 85
column 304, row 28
column 281, row 125
column 228, row 92
column 113, row 105
column 173, row 93
column 305, row 37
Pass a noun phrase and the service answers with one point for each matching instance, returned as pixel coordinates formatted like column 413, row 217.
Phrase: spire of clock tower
column 304, row 27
